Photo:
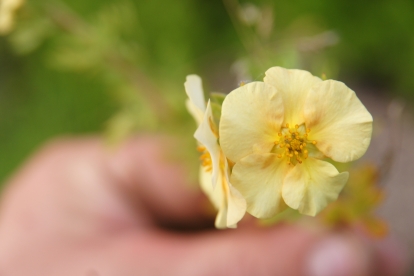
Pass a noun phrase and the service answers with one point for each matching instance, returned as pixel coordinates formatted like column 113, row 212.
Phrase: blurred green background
column 117, row 67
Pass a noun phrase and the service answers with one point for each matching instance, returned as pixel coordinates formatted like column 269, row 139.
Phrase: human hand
column 78, row 209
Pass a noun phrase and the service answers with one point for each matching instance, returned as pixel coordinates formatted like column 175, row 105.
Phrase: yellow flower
column 214, row 170
column 277, row 131
column 195, row 103
column 8, row 9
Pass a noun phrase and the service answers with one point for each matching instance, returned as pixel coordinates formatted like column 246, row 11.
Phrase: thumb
column 285, row 250
column 249, row 251
column 270, row 251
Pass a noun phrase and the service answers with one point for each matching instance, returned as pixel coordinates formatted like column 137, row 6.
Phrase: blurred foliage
column 357, row 203
column 77, row 66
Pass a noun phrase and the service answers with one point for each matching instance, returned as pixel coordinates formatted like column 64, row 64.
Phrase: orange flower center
column 293, row 142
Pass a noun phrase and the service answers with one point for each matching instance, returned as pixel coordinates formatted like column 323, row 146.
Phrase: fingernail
column 338, row 256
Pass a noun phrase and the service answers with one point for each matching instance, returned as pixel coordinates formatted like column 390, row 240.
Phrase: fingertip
column 348, row 254
column 338, row 255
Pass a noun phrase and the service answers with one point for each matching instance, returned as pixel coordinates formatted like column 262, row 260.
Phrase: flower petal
column 232, row 207
column 339, row 122
column 206, row 136
column 196, row 104
column 221, row 218
column 205, row 184
column 259, row 179
column 251, row 117
column 293, row 85
column 194, row 90
column 236, row 204
column 216, row 196
column 310, row 186
column 194, row 111
column 226, row 199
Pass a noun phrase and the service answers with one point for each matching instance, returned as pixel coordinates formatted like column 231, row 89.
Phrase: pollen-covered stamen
column 205, row 159
column 294, row 141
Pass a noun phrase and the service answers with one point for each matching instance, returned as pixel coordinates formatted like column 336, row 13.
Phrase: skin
column 76, row 208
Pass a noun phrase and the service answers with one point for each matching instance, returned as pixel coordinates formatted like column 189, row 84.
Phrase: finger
column 284, row 250
column 146, row 172
column 85, row 173
column 351, row 252
column 68, row 184
column 253, row 251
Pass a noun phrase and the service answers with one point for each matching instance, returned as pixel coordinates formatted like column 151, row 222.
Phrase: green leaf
column 216, row 110
column 217, row 98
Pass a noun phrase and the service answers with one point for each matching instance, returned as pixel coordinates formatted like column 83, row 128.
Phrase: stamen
column 205, row 156
column 294, row 142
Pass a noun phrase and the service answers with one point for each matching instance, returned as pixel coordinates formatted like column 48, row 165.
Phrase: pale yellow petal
column 293, row 85
column 206, row 186
column 232, row 207
column 194, row 89
column 310, row 186
column 236, row 204
column 226, row 199
column 339, row 122
column 221, row 218
column 237, row 207
column 259, row 179
column 197, row 113
column 251, row 117
column 217, row 197
column 206, row 136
